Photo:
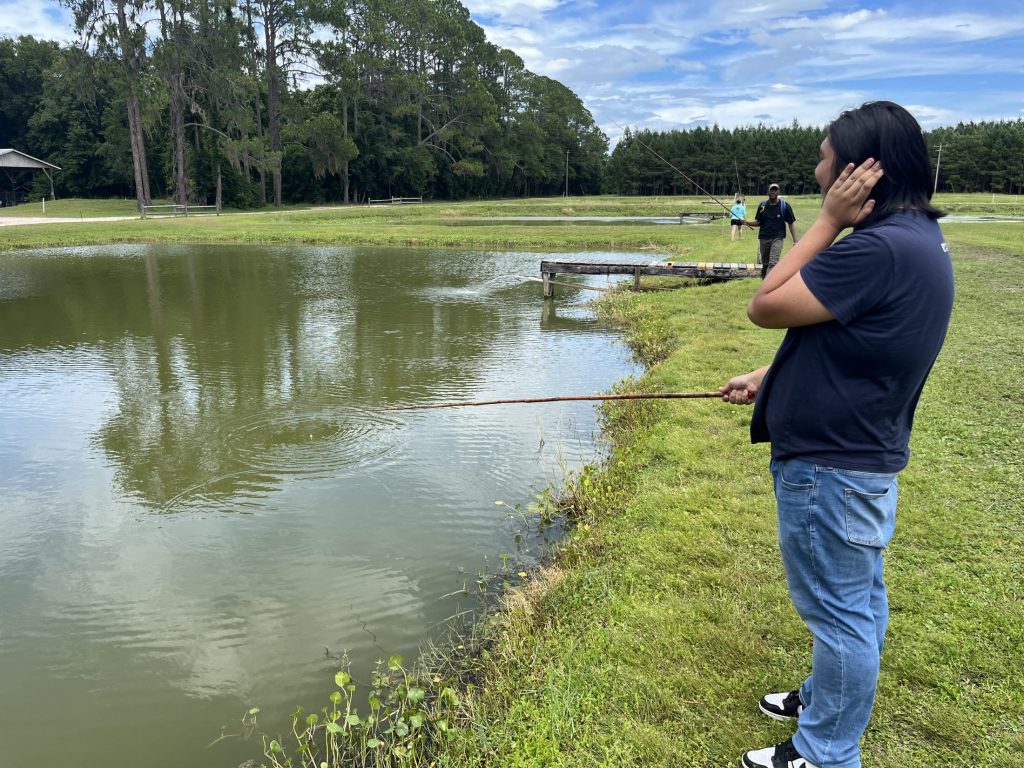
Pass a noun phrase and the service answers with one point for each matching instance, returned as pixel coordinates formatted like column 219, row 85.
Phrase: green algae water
column 200, row 497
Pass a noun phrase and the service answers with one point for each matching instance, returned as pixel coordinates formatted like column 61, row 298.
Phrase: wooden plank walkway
column 639, row 265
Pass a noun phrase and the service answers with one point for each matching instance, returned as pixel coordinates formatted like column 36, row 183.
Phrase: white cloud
column 766, row 12
column 867, row 27
column 930, row 116
column 516, row 39
column 835, row 23
column 511, row 11
column 554, row 66
column 583, row 67
column 775, row 105
column 42, row 20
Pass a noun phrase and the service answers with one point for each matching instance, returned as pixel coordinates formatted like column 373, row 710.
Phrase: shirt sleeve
column 852, row 276
column 758, row 216
column 790, row 216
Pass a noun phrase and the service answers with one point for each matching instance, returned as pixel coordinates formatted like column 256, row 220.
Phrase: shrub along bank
column 650, row 639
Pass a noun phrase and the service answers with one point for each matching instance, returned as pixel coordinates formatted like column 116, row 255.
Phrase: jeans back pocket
column 871, row 513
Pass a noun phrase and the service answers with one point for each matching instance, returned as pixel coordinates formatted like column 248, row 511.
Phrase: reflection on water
column 488, row 221
column 199, row 494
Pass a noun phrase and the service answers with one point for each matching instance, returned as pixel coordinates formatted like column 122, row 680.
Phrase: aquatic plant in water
column 408, row 716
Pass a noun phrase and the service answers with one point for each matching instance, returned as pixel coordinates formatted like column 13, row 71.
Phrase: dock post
column 549, row 287
column 636, row 278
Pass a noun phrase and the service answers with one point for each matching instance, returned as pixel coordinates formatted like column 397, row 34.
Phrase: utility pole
column 938, row 162
column 567, row 173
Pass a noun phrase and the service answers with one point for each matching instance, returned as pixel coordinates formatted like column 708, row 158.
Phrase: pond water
column 198, row 497
column 483, row 221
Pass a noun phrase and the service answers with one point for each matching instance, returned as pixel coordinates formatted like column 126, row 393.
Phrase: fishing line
column 566, row 398
column 666, row 162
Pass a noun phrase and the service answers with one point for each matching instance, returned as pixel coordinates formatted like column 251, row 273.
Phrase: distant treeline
column 976, row 157
column 980, row 157
column 721, row 161
column 196, row 100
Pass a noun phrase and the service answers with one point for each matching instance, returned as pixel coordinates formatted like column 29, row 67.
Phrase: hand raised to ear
column 847, row 204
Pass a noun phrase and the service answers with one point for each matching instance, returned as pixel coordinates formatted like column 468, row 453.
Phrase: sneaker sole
column 776, row 715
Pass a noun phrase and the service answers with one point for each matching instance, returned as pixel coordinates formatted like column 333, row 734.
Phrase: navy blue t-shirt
column 843, row 393
column 773, row 219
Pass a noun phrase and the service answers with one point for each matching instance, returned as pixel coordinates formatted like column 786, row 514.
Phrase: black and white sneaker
column 782, row 706
column 782, row 755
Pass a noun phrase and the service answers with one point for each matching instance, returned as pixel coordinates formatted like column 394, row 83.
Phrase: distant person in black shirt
column 866, row 317
column 772, row 217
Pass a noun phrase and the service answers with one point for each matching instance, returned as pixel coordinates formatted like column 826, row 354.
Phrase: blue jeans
column 833, row 527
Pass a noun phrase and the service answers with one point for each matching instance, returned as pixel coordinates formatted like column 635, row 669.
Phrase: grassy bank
column 651, row 638
column 441, row 225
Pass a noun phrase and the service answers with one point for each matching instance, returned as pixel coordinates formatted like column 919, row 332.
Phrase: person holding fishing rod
column 772, row 216
column 737, row 213
column 867, row 316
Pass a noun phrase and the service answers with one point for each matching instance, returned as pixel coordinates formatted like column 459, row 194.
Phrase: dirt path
column 13, row 221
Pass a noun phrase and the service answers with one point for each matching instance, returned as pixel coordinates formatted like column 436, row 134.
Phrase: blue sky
column 667, row 65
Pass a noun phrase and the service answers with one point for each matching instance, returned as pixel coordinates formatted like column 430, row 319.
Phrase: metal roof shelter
column 14, row 163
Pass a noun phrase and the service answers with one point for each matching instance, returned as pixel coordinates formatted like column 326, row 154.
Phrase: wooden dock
column 637, row 266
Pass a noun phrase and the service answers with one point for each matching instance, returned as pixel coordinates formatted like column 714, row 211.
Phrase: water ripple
column 312, row 441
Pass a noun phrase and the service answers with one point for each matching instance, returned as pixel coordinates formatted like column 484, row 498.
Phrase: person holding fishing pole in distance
column 737, row 213
column 772, row 216
column 867, row 316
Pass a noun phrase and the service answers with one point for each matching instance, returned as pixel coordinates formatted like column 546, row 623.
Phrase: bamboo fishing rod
column 560, row 399
column 666, row 162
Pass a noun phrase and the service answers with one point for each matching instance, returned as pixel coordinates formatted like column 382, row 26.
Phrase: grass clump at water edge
column 405, row 721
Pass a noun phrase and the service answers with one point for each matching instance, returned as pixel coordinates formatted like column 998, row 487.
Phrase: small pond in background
column 198, row 498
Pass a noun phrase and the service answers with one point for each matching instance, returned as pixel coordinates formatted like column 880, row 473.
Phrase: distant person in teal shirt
column 738, row 213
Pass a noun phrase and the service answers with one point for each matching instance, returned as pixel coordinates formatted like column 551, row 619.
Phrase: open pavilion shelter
column 14, row 164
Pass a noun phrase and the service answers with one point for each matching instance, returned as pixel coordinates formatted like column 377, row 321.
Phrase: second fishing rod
column 699, row 188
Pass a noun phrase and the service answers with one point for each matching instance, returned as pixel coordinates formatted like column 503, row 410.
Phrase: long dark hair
column 887, row 132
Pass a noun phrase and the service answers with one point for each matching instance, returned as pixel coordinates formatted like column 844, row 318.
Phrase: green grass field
column 649, row 638
column 445, row 225
column 462, row 225
column 72, row 208
column 78, row 207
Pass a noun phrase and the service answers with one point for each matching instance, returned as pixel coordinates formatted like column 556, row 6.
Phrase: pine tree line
column 975, row 157
column 980, row 157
